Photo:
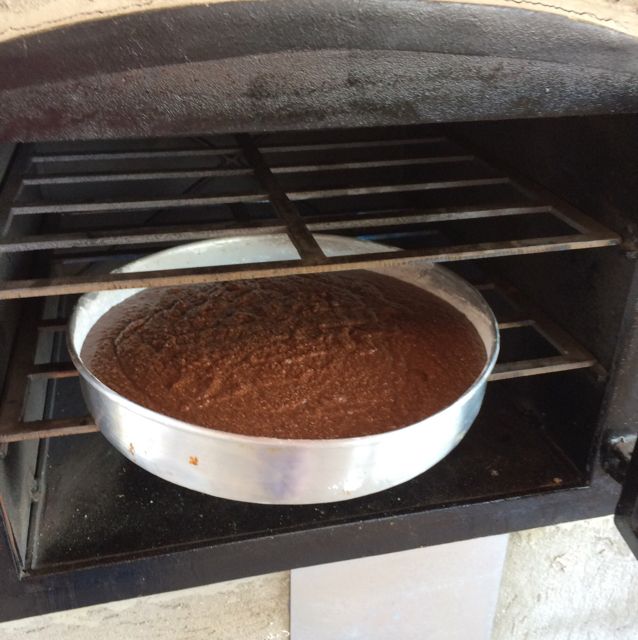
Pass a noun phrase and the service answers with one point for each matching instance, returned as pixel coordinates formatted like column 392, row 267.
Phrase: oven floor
column 97, row 506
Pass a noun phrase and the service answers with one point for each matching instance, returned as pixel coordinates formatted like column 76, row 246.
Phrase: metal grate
column 512, row 314
column 299, row 189
column 429, row 195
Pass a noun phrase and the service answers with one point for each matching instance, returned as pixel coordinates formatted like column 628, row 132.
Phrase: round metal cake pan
column 271, row 470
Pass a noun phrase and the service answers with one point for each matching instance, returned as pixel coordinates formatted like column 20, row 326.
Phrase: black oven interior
column 539, row 214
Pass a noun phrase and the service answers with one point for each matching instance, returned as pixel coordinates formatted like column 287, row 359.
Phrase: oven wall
column 298, row 64
column 592, row 164
column 18, row 461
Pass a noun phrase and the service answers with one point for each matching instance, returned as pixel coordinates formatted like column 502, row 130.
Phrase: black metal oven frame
column 541, row 449
column 518, row 468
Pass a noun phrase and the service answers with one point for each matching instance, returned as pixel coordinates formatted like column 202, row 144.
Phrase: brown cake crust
column 309, row 356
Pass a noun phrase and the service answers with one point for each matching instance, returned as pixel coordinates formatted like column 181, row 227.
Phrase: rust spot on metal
column 131, row 448
column 194, row 460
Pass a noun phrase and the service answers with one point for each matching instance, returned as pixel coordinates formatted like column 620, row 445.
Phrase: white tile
column 446, row 592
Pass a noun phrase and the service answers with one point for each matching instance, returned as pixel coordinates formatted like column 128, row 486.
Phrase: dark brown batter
column 318, row 356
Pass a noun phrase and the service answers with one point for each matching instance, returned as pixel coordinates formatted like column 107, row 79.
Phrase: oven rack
column 313, row 186
column 86, row 204
column 512, row 313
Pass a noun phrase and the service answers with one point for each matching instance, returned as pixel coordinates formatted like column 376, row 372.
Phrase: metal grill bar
column 134, row 176
column 94, row 156
column 52, row 371
column 572, row 354
column 144, row 204
column 141, row 204
column 146, row 235
column 12, row 428
column 51, row 326
column 183, row 233
column 197, row 174
column 435, row 185
column 537, row 366
column 81, row 284
column 357, row 144
column 220, row 151
column 301, row 237
column 37, row 429
column 515, row 324
column 371, row 164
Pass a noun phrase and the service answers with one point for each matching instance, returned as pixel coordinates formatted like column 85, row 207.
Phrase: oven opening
column 534, row 213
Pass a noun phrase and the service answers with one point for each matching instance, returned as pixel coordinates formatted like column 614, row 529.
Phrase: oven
column 444, row 130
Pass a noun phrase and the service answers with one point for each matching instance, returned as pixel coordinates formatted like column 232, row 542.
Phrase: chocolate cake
column 309, row 356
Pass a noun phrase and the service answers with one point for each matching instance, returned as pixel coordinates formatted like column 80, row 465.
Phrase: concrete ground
column 576, row 581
